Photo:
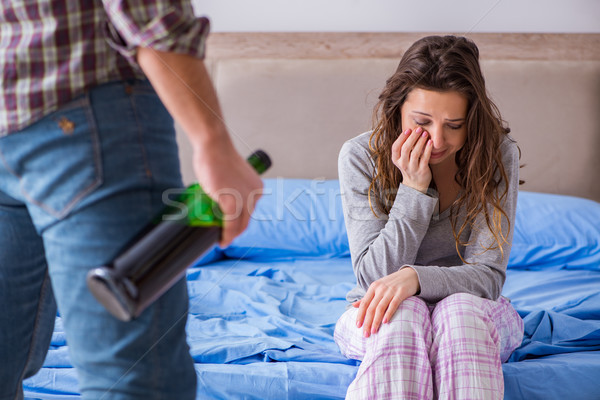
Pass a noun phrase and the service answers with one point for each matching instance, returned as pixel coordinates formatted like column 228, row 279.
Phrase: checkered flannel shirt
column 51, row 51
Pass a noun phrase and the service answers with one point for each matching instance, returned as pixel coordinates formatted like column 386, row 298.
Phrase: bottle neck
column 260, row 161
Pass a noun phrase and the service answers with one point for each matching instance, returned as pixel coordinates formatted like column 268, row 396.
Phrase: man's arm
column 184, row 86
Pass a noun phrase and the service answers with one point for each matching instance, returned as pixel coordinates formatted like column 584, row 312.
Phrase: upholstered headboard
column 299, row 96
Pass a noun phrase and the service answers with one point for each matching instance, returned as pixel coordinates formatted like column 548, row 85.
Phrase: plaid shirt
column 51, row 51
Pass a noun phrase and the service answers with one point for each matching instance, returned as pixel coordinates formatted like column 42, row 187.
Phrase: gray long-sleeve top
column 416, row 235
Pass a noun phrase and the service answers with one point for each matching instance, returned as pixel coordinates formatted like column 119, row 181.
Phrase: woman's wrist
column 418, row 188
column 412, row 279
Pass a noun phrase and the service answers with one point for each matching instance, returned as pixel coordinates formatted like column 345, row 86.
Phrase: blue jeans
column 74, row 188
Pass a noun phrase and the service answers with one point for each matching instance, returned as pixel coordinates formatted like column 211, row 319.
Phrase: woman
column 429, row 201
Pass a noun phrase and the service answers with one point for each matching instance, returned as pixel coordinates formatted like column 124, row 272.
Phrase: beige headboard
column 299, row 96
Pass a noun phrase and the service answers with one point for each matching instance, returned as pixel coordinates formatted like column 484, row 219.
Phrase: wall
column 458, row 16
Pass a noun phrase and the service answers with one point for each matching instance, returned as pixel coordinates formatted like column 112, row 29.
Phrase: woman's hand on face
column 410, row 153
column 383, row 299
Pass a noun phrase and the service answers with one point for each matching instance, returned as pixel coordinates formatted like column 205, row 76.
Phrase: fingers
column 407, row 150
column 409, row 144
column 377, row 310
column 362, row 309
column 391, row 310
column 378, row 307
column 237, row 213
column 417, row 152
column 398, row 143
column 380, row 311
column 374, row 307
column 231, row 182
column 411, row 155
column 235, row 216
column 231, row 229
column 424, row 162
column 383, row 298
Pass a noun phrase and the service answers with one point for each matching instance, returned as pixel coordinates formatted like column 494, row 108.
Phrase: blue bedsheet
column 560, row 354
column 265, row 328
column 262, row 313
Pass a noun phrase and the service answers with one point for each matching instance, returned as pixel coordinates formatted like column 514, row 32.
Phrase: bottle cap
column 260, row 161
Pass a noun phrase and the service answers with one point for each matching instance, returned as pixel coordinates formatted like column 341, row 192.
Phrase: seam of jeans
column 35, row 324
column 97, row 167
column 147, row 169
column 8, row 168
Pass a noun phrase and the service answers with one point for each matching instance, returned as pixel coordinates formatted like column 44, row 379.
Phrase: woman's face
column 441, row 114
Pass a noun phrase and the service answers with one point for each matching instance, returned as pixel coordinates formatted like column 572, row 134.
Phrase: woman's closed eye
column 425, row 123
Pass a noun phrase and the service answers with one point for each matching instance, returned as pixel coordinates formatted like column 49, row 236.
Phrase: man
column 87, row 147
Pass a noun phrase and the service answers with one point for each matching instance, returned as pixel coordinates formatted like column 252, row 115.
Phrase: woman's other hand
column 410, row 153
column 383, row 299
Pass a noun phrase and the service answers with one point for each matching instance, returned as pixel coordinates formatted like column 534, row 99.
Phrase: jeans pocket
column 61, row 162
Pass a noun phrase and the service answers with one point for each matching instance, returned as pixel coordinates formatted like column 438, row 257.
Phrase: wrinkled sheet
column 263, row 330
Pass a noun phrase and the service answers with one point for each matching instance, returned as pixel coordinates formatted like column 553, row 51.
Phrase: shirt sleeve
column 485, row 271
column 169, row 26
column 379, row 245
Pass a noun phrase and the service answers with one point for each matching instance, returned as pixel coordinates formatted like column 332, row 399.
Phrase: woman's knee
column 412, row 319
column 461, row 313
column 413, row 310
column 458, row 303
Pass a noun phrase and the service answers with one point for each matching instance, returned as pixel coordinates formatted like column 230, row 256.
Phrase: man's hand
column 229, row 180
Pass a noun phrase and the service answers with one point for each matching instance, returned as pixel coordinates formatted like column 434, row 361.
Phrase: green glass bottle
column 159, row 255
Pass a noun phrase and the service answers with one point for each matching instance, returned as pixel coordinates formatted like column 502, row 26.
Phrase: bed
column 263, row 311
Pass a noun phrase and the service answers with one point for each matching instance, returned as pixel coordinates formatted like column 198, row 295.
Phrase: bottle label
column 194, row 207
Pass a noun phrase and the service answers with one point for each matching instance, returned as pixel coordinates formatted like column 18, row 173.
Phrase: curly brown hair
column 446, row 63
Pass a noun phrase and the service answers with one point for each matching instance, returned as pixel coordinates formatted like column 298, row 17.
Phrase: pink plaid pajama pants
column 451, row 350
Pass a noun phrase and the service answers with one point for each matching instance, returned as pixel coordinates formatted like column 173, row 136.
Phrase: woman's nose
column 437, row 136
